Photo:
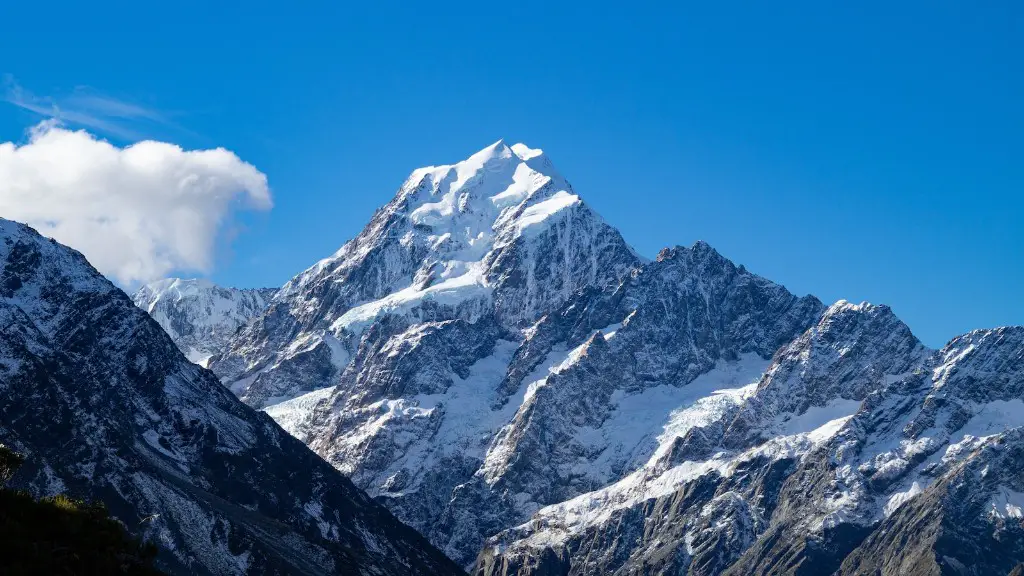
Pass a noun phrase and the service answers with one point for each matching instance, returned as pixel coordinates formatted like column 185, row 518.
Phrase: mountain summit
column 499, row 234
column 480, row 349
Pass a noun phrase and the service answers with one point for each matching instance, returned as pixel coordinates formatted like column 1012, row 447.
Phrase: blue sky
column 866, row 151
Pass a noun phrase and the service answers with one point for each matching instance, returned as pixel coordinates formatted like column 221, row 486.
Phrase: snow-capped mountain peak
column 177, row 287
column 450, row 217
column 451, row 210
column 500, row 234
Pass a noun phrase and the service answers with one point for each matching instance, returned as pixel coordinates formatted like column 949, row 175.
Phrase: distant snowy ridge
column 198, row 315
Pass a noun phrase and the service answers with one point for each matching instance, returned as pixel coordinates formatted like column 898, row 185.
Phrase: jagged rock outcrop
column 921, row 477
column 944, row 440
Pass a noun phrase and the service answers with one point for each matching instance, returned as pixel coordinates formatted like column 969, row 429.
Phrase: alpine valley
column 493, row 364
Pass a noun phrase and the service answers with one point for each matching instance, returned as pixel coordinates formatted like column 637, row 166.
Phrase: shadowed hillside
column 59, row 535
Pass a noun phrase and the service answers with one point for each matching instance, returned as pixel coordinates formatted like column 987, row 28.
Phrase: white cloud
column 138, row 212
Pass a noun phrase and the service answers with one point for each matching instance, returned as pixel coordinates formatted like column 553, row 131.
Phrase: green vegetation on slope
column 60, row 536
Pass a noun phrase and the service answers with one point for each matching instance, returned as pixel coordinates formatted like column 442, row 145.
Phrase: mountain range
column 494, row 363
column 491, row 362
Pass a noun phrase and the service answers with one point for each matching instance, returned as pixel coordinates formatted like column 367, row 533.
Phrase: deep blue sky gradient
column 858, row 150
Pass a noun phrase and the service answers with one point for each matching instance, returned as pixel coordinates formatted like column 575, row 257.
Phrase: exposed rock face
column 921, row 478
column 591, row 410
column 491, row 361
column 912, row 442
column 853, row 350
column 708, row 492
column 199, row 316
column 104, row 406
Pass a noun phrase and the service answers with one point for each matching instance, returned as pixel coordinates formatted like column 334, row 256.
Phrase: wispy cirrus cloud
column 87, row 108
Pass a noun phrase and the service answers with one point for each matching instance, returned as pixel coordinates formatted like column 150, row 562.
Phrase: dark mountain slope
column 106, row 408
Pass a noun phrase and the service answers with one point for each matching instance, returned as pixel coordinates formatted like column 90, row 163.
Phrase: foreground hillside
column 57, row 535
column 106, row 408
